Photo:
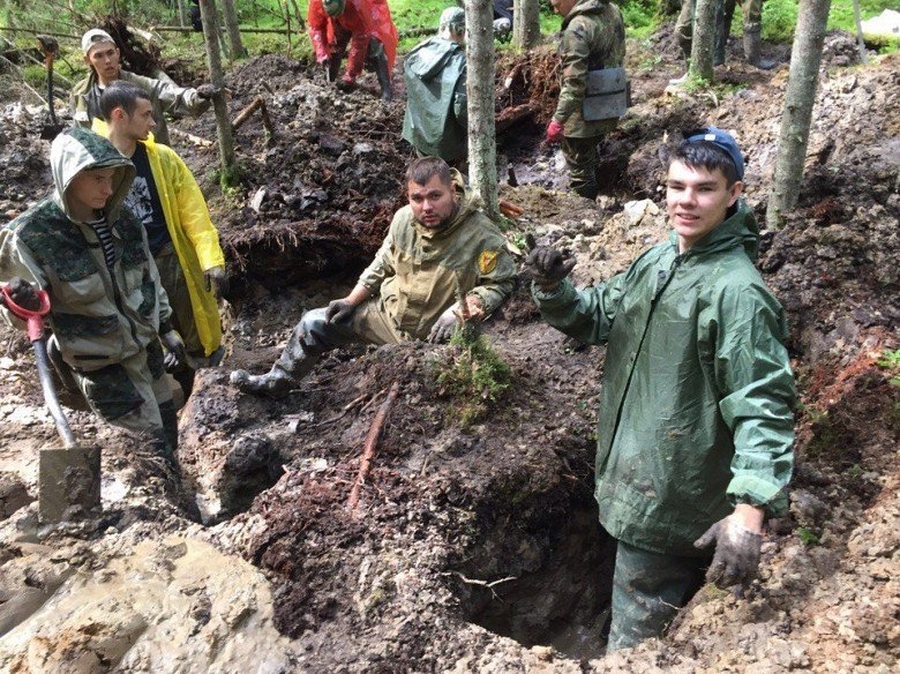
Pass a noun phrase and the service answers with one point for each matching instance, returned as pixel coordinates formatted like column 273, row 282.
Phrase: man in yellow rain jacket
column 439, row 248
column 183, row 240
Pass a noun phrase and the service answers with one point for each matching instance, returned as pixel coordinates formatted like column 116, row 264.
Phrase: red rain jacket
column 364, row 20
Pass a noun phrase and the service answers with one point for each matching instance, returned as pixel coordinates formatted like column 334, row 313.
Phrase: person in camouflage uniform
column 102, row 56
column 438, row 248
column 593, row 38
column 108, row 309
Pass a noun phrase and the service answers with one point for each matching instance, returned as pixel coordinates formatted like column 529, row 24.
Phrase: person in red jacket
column 367, row 27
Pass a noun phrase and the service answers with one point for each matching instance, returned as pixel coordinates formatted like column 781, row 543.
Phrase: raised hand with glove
column 548, row 267
column 738, row 540
column 207, row 91
column 555, row 132
column 216, row 281
column 173, row 345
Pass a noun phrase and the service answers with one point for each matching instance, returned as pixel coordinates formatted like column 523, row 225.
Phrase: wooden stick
column 365, row 463
column 244, row 114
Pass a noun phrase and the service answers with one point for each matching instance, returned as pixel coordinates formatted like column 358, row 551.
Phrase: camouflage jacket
column 593, row 38
column 165, row 95
column 100, row 316
column 418, row 271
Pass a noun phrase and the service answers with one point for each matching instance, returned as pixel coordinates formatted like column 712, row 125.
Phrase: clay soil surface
column 473, row 547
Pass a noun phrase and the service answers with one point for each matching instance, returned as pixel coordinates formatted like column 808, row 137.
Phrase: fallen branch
column 481, row 583
column 258, row 103
column 509, row 209
column 365, row 463
column 196, row 140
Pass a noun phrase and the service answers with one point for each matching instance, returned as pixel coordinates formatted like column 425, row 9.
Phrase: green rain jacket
column 99, row 317
column 593, row 38
column 695, row 409
column 436, row 121
column 419, row 271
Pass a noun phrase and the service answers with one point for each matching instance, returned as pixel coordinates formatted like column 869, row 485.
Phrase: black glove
column 737, row 553
column 175, row 354
column 206, row 91
column 339, row 311
column 547, row 267
column 216, row 281
column 446, row 324
column 23, row 293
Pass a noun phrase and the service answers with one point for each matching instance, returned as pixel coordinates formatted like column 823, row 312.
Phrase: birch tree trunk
column 231, row 26
column 703, row 41
column 210, row 20
column 799, row 97
column 526, row 24
column 480, row 91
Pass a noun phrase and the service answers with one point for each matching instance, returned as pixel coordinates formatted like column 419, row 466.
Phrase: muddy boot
column 276, row 383
column 384, row 77
column 752, row 49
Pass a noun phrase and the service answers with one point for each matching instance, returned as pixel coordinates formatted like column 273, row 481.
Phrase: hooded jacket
column 436, row 121
column 100, row 317
column 593, row 38
column 194, row 237
column 695, row 409
column 165, row 96
column 418, row 271
column 363, row 20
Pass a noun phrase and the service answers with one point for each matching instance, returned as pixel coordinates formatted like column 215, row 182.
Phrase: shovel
column 49, row 48
column 68, row 478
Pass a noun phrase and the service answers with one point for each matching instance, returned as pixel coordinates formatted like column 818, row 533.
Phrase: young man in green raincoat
column 183, row 240
column 440, row 247
column 696, row 424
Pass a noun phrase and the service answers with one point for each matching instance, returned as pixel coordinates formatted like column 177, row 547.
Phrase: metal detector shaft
column 43, row 366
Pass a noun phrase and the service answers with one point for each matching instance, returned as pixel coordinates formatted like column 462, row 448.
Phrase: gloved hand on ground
column 216, row 281
column 23, row 293
column 452, row 319
column 547, row 267
column 173, row 344
column 736, row 558
column 339, row 311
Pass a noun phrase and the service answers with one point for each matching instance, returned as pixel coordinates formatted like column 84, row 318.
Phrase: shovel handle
column 34, row 318
column 59, row 418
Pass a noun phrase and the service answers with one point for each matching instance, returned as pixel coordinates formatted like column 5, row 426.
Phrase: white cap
column 94, row 37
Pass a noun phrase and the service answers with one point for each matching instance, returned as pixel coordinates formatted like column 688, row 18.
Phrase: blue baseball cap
column 722, row 140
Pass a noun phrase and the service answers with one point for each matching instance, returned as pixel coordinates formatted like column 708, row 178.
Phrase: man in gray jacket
column 434, row 72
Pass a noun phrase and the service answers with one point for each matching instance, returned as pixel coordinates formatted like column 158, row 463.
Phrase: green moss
column 474, row 376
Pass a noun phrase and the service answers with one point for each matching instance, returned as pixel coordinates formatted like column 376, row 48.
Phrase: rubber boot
column 752, row 49
column 285, row 375
column 384, row 77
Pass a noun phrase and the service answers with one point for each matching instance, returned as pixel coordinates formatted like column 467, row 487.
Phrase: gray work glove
column 173, row 345
column 23, row 293
column 339, row 311
column 547, row 267
column 444, row 327
column 737, row 553
column 216, row 281
column 206, row 91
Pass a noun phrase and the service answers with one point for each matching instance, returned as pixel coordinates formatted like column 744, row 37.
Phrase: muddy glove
column 737, row 553
column 339, row 311
column 174, row 347
column 555, row 132
column 445, row 325
column 23, row 293
column 206, row 91
column 547, row 267
column 216, row 281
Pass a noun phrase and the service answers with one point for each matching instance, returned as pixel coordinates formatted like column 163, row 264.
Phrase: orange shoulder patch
column 487, row 261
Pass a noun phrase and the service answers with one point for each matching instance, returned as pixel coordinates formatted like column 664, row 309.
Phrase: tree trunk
column 480, row 91
column 231, row 25
column 799, row 97
column 526, row 24
column 182, row 13
column 703, row 41
column 214, row 60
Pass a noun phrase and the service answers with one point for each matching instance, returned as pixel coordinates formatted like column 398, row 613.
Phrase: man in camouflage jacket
column 439, row 248
column 593, row 38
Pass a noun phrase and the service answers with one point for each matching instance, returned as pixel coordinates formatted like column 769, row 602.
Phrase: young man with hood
column 438, row 247
column 183, row 240
column 695, row 436
column 108, row 309
column 102, row 56
column 368, row 28
column 436, row 119
column 593, row 39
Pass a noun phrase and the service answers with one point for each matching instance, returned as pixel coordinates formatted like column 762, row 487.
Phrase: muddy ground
column 473, row 547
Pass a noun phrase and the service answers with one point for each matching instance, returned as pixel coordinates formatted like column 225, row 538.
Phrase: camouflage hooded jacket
column 419, row 271
column 593, row 38
column 99, row 316
column 696, row 403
